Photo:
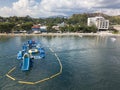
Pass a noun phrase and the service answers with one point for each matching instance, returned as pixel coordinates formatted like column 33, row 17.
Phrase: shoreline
column 61, row 34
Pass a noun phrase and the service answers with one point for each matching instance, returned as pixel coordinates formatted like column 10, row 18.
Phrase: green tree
column 6, row 27
column 27, row 26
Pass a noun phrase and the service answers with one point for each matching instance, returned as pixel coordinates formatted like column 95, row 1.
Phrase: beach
column 61, row 34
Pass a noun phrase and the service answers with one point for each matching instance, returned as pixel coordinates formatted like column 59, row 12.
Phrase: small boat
column 113, row 39
column 80, row 35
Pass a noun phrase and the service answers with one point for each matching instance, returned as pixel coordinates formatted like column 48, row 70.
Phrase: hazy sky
column 45, row 8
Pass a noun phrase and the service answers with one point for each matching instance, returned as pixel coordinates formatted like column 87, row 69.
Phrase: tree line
column 74, row 23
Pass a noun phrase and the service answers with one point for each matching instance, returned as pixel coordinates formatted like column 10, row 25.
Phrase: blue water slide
column 26, row 62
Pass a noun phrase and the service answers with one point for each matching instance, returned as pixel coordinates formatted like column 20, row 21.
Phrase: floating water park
column 31, row 51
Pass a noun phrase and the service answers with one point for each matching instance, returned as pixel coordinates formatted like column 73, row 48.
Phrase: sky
column 46, row 8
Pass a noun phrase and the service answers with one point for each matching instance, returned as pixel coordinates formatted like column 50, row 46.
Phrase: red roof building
column 36, row 26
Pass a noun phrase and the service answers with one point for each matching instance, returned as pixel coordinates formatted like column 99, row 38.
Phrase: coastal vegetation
column 74, row 23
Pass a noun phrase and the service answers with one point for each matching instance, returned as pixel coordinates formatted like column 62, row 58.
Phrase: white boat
column 113, row 39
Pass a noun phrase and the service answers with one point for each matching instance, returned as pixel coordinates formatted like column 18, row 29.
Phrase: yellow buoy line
column 12, row 70
column 39, row 81
column 51, row 49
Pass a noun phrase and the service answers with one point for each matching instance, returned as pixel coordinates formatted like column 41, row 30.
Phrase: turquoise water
column 89, row 63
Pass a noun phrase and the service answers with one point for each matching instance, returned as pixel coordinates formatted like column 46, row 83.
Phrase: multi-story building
column 99, row 22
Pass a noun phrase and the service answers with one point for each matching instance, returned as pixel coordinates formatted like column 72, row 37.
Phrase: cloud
column 109, row 4
column 45, row 8
column 5, row 11
column 25, row 7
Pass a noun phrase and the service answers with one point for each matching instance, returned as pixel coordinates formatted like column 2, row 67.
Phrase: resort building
column 99, row 22
column 39, row 29
column 36, row 29
column 43, row 28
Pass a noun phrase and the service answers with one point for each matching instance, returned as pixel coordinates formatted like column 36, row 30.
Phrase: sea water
column 89, row 63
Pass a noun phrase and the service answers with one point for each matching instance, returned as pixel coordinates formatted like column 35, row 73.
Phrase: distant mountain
column 59, row 16
column 87, row 15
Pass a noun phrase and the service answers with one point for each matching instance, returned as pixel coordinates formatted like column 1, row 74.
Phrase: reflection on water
column 89, row 63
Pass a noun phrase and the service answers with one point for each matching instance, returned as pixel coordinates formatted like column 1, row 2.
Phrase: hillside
column 25, row 23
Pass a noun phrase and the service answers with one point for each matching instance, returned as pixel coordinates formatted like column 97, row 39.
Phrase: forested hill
column 83, row 17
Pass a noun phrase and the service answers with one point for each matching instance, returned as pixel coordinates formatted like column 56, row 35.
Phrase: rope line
column 24, row 82
column 45, row 79
column 11, row 70
column 51, row 49
column 10, row 77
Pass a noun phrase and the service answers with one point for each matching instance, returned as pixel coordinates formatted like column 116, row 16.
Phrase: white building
column 43, row 27
column 99, row 22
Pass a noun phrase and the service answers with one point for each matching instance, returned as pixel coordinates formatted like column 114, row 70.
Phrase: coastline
column 61, row 34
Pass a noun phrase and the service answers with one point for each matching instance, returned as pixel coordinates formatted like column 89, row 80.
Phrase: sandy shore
column 62, row 34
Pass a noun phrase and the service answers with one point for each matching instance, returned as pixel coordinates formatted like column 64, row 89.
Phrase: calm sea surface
column 89, row 63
